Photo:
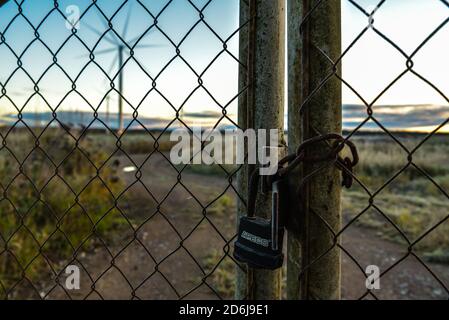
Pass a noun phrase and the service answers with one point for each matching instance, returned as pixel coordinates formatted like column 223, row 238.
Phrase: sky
column 373, row 63
column 369, row 66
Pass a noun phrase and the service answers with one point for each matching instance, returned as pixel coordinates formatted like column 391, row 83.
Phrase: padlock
column 260, row 241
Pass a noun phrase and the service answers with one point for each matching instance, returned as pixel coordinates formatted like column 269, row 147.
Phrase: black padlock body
column 253, row 245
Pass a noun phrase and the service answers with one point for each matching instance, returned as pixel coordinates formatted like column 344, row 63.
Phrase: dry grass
column 411, row 200
column 45, row 217
column 222, row 273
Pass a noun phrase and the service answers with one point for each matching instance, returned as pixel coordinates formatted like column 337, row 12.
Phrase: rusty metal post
column 264, row 108
column 308, row 236
column 294, row 140
column 242, row 276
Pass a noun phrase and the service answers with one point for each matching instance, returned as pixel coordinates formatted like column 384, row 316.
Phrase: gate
column 92, row 205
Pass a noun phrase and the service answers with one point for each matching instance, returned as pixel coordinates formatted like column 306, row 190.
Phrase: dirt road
column 173, row 248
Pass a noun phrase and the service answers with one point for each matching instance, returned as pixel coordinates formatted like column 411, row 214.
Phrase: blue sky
column 175, row 83
column 369, row 66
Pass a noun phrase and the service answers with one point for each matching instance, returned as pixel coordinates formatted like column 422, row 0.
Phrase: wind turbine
column 107, row 100
column 30, row 91
column 120, row 50
column 10, row 94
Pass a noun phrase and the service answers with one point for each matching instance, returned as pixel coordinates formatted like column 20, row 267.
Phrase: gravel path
column 178, row 269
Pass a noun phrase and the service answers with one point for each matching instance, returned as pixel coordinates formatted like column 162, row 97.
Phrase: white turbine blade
column 128, row 18
column 150, row 46
column 105, row 51
column 106, row 37
column 106, row 25
column 98, row 52
column 133, row 40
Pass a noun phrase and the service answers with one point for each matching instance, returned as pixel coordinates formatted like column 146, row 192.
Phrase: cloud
column 397, row 117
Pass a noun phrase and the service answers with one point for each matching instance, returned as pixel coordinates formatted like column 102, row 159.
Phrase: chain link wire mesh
column 386, row 197
column 88, row 193
column 68, row 190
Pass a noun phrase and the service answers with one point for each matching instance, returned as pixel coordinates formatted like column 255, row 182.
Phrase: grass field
column 57, row 214
column 412, row 201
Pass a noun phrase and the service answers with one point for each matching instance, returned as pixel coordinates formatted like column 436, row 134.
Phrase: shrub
column 47, row 216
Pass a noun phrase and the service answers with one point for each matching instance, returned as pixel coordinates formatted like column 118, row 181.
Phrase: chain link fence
column 95, row 187
column 391, row 220
column 87, row 180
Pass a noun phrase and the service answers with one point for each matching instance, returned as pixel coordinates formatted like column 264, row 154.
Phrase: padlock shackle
column 275, row 198
column 252, row 193
column 275, row 217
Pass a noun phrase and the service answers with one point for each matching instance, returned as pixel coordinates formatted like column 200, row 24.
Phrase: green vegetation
column 411, row 200
column 222, row 206
column 222, row 278
column 54, row 201
column 44, row 216
column 215, row 169
column 133, row 143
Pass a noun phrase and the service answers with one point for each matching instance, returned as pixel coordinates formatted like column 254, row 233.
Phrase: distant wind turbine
column 29, row 92
column 108, row 102
column 25, row 93
column 119, row 48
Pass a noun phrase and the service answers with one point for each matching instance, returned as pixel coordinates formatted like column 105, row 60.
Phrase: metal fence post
column 294, row 140
column 313, row 255
column 265, row 106
column 242, row 276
